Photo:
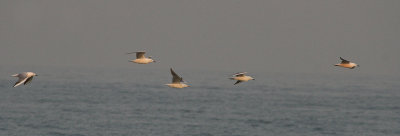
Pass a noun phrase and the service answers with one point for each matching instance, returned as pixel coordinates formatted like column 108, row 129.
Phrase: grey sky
column 237, row 35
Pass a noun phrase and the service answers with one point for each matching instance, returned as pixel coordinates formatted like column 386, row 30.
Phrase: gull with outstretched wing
column 177, row 81
column 24, row 78
column 347, row 64
column 140, row 58
column 241, row 77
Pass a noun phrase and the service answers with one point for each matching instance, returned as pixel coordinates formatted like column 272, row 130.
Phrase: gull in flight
column 24, row 78
column 140, row 58
column 347, row 64
column 177, row 82
column 241, row 77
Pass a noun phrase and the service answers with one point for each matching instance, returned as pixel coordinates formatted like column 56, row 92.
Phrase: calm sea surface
column 132, row 102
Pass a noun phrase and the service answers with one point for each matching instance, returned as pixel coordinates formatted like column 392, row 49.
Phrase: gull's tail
column 15, row 75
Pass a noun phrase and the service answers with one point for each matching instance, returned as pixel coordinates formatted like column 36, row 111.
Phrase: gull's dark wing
column 237, row 82
column 344, row 61
column 28, row 80
column 240, row 74
column 175, row 77
column 140, row 55
column 20, row 81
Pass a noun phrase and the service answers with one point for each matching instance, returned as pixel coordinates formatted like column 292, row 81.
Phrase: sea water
column 132, row 102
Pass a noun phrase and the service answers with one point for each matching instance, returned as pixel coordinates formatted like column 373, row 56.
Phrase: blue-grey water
column 134, row 102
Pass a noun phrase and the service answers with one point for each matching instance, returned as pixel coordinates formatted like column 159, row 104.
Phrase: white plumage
column 24, row 78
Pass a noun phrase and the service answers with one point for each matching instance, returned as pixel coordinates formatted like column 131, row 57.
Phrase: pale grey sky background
column 303, row 36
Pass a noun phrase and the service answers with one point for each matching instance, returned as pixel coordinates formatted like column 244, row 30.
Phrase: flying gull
column 177, row 82
column 140, row 58
column 24, row 78
column 241, row 77
column 347, row 64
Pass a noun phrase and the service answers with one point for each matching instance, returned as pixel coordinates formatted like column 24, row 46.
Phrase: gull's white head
column 151, row 58
column 31, row 74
